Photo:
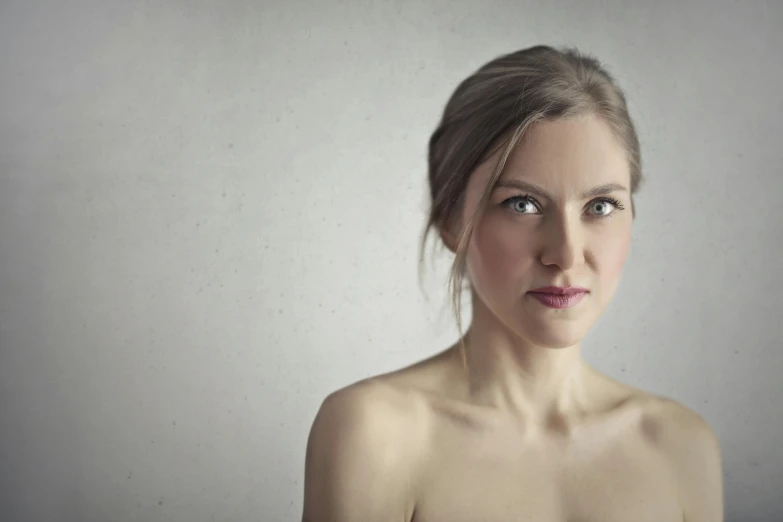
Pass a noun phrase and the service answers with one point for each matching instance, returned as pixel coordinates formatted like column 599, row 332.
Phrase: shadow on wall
column 74, row 506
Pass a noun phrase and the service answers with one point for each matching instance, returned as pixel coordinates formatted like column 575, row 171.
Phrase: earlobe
column 449, row 229
column 448, row 240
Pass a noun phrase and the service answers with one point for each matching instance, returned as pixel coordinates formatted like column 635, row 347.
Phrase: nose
column 562, row 243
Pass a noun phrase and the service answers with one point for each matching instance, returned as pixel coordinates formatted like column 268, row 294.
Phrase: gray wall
column 209, row 220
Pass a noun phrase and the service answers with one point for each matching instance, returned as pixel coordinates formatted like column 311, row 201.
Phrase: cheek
column 497, row 253
column 612, row 254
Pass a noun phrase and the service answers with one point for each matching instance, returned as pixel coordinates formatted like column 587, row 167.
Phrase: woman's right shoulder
column 369, row 412
column 362, row 453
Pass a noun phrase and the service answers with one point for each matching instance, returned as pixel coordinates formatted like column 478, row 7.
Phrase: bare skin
column 531, row 432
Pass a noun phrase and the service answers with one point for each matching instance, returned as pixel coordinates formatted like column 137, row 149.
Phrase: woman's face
column 560, row 215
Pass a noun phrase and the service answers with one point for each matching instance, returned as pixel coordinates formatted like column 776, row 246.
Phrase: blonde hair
column 493, row 108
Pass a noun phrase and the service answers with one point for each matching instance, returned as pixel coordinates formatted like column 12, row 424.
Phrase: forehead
column 569, row 152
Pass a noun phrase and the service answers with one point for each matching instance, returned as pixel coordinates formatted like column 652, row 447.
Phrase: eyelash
column 529, row 199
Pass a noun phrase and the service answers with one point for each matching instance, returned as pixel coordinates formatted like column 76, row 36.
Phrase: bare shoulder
column 361, row 455
column 664, row 422
column 370, row 412
column 690, row 447
column 674, row 427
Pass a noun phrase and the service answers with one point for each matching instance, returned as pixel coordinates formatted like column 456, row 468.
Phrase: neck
column 509, row 373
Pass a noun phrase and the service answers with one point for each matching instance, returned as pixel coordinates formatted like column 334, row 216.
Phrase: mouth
column 556, row 297
column 560, row 290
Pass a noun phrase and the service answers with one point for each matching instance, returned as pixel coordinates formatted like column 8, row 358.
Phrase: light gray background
column 209, row 218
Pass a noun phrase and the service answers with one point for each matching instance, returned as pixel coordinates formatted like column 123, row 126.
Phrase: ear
column 449, row 236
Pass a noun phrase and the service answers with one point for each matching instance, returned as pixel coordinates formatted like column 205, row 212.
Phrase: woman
column 532, row 172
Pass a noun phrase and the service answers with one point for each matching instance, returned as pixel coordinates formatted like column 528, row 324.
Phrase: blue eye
column 605, row 206
column 519, row 204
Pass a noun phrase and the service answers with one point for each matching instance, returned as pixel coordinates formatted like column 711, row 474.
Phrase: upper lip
column 560, row 290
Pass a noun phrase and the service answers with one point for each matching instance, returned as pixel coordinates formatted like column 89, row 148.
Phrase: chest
column 589, row 479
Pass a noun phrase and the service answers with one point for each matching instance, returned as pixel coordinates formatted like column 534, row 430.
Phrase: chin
column 554, row 340
column 552, row 333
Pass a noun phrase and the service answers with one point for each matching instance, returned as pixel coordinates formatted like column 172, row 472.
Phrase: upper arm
column 694, row 452
column 358, row 463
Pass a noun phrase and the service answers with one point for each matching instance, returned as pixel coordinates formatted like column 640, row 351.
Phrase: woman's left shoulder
column 674, row 426
column 663, row 421
column 689, row 446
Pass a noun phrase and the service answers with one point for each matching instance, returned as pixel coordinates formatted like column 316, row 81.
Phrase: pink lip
column 559, row 290
column 558, row 297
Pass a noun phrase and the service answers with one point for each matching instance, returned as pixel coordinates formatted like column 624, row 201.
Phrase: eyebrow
column 600, row 190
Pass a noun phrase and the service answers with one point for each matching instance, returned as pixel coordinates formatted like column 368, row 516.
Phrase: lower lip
column 558, row 300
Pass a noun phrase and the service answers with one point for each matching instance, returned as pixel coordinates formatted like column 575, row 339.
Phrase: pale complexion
column 534, row 433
